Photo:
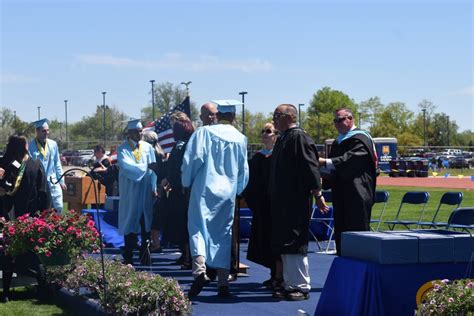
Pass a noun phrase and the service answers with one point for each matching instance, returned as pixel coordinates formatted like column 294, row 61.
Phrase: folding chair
column 461, row 218
column 327, row 221
column 416, row 198
column 448, row 198
column 380, row 197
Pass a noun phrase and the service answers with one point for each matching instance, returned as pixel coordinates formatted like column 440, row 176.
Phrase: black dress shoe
column 197, row 285
column 223, row 292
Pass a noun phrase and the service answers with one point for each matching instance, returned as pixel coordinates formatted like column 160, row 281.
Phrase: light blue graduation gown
column 136, row 185
column 215, row 167
column 52, row 166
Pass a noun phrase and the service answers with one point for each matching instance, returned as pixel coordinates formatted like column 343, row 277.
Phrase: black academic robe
column 175, row 205
column 33, row 193
column 293, row 173
column 353, row 184
column 258, row 200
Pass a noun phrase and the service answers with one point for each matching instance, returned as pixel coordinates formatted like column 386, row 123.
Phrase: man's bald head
column 208, row 113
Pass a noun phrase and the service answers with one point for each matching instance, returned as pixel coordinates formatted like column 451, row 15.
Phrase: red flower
column 48, row 253
column 11, row 230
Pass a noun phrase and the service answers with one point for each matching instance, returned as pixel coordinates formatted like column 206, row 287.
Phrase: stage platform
column 249, row 297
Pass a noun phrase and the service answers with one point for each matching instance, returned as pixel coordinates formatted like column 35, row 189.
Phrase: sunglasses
column 279, row 114
column 341, row 119
column 267, row 131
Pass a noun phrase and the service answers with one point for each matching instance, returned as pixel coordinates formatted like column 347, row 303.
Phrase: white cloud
column 179, row 62
column 466, row 91
column 6, row 78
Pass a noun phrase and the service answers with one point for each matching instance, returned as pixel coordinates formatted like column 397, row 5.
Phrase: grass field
column 412, row 212
column 24, row 303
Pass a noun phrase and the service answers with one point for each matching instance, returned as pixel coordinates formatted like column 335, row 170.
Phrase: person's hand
column 166, row 186
column 63, row 186
column 2, row 173
column 321, row 203
column 322, row 161
column 99, row 169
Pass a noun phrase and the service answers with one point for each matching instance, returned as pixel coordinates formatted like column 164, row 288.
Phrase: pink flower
column 48, row 253
column 41, row 240
column 11, row 230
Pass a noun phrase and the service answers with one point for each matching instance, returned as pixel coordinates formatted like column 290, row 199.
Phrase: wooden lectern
column 80, row 192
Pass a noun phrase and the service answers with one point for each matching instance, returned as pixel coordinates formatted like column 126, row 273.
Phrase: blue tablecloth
column 355, row 287
column 108, row 225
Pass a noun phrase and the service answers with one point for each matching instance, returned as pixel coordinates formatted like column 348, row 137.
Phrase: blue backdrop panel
column 356, row 287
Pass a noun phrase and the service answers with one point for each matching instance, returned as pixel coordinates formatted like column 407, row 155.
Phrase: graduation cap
column 43, row 123
column 226, row 106
column 134, row 124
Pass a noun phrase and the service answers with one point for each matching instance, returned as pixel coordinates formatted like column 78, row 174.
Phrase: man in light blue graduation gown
column 46, row 150
column 215, row 167
column 137, row 192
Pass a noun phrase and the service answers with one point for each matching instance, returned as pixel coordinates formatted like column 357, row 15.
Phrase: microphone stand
column 97, row 200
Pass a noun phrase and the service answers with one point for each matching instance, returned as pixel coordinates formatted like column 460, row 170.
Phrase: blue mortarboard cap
column 134, row 124
column 43, row 123
column 226, row 106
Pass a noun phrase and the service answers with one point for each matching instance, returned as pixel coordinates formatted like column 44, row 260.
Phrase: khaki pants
column 199, row 267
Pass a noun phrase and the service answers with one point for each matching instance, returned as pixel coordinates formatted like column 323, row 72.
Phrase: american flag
column 163, row 126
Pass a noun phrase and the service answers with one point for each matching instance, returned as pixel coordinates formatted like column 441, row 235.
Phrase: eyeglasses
column 279, row 114
column 341, row 119
column 267, row 131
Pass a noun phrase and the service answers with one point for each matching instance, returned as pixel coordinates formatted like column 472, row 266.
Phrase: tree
column 323, row 103
column 167, row 95
column 392, row 121
column 91, row 128
column 370, row 109
column 10, row 124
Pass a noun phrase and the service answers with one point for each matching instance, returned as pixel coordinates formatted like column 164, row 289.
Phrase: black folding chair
column 415, row 198
column 448, row 198
column 461, row 218
column 381, row 197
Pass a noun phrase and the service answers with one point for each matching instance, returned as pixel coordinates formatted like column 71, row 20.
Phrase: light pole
column 243, row 93
column 299, row 113
column 187, row 83
column 152, row 100
column 424, row 127
column 39, row 112
column 103, row 116
column 65, row 111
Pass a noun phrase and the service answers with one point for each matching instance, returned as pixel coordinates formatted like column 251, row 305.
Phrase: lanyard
column 136, row 151
column 19, row 178
column 42, row 150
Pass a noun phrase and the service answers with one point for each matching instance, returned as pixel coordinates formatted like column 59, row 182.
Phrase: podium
column 80, row 192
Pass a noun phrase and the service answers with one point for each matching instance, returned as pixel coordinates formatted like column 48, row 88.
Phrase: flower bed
column 128, row 291
column 449, row 298
column 49, row 233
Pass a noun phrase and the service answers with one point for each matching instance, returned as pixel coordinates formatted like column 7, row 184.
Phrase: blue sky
column 278, row 51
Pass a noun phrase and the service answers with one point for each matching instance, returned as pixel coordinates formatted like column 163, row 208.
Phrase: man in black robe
column 352, row 165
column 294, row 178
